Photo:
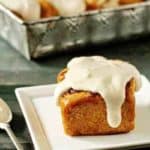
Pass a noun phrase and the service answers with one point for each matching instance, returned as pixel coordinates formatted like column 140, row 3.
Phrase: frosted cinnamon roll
column 96, row 96
column 27, row 9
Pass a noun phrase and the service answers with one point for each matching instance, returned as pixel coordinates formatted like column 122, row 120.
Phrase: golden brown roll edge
column 84, row 113
column 47, row 9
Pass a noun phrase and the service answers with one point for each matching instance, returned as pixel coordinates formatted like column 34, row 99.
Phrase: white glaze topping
column 103, row 76
column 69, row 7
column 28, row 9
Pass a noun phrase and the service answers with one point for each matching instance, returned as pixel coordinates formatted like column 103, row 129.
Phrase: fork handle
column 12, row 136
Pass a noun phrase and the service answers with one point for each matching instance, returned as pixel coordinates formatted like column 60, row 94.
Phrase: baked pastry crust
column 47, row 10
column 84, row 112
column 125, row 2
column 94, row 4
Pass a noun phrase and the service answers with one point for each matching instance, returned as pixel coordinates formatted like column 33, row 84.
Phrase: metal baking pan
column 38, row 38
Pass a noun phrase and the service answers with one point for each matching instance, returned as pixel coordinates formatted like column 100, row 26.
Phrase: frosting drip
column 103, row 76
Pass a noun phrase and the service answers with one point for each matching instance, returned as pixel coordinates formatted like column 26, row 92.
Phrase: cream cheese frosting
column 28, row 9
column 103, row 76
column 69, row 7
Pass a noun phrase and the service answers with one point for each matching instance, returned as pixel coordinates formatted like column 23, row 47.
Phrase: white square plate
column 45, row 126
